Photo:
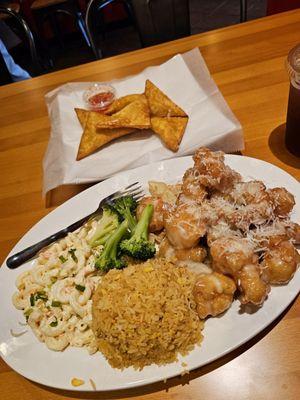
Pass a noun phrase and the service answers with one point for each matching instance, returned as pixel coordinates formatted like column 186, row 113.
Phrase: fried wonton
column 170, row 130
column 92, row 138
column 160, row 104
column 122, row 102
column 82, row 116
column 134, row 115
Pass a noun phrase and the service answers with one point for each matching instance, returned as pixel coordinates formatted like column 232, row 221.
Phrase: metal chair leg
column 244, row 9
column 82, row 27
column 97, row 5
column 130, row 11
column 88, row 22
column 77, row 15
column 29, row 36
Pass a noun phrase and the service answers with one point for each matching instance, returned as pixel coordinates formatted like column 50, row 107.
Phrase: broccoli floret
column 138, row 246
column 109, row 258
column 125, row 207
column 106, row 226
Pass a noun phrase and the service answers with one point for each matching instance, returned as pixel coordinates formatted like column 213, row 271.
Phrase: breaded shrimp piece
column 213, row 173
column 230, row 254
column 157, row 220
column 267, row 236
column 283, row 201
column 222, row 204
column 235, row 257
column 192, row 258
column 221, row 230
column 192, row 189
column 196, row 254
column 184, row 226
column 270, row 235
column 280, row 263
column 293, row 231
column 247, row 204
column 253, row 192
column 251, row 284
column 213, row 294
column 252, row 214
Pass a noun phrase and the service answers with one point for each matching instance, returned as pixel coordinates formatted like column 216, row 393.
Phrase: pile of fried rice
column 146, row 314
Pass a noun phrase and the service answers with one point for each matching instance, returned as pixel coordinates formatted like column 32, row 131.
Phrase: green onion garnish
column 62, row 259
column 80, row 288
column 54, row 323
column 72, row 252
column 41, row 296
column 27, row 313
column 32, row 299
column 56, row 303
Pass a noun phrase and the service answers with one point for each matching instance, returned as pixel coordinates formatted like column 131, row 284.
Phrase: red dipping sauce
column 99, row 97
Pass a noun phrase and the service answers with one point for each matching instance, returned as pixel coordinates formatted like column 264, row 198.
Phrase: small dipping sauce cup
column 99, row 97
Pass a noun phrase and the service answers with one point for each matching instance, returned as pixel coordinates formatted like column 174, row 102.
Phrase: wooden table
column 247, row 62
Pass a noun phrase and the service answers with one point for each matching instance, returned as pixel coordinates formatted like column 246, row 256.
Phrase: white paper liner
column 185, row 79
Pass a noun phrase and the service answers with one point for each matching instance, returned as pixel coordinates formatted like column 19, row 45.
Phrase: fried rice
column 146, row 314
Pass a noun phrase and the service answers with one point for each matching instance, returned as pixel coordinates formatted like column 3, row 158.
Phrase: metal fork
column 18, row 259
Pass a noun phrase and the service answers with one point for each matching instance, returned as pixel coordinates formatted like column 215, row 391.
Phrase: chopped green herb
column 41, row 296
column 62, row 259
column 27, row 313
column 72, row 252
column 53, row 279
column 32, row 299
column 54, row 323
column 80, row 288
column 38, row 296
column 56, row 303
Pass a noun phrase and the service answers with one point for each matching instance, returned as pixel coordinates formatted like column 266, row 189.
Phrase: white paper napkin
column 185, row 79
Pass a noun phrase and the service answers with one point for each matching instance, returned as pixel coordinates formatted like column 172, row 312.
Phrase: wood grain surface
column 247, row 62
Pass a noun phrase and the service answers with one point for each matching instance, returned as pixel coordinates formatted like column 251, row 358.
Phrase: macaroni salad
column 56, row 294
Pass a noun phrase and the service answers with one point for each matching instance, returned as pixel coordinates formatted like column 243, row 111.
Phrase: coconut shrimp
column 166, row 250
column 283, row 201
column 268, row 236
column 230, row 254
column 184, row 226
column 247, row 204
column 192, row 190
column 192, row 258
column 213, row 173
column 253, row 192
column 157, row 220
column 221, row 230
column 213, row 294
column 253, row 214
column 252, row 285
column 280, row 263
column 235, row 257
column 293, row 231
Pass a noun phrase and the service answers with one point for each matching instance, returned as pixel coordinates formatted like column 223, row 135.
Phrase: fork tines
column 135, row 190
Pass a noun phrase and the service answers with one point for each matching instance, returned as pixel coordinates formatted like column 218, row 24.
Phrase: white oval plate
column 34, row 361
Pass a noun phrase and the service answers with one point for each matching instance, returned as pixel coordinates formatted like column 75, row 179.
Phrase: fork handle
column 18, row 259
